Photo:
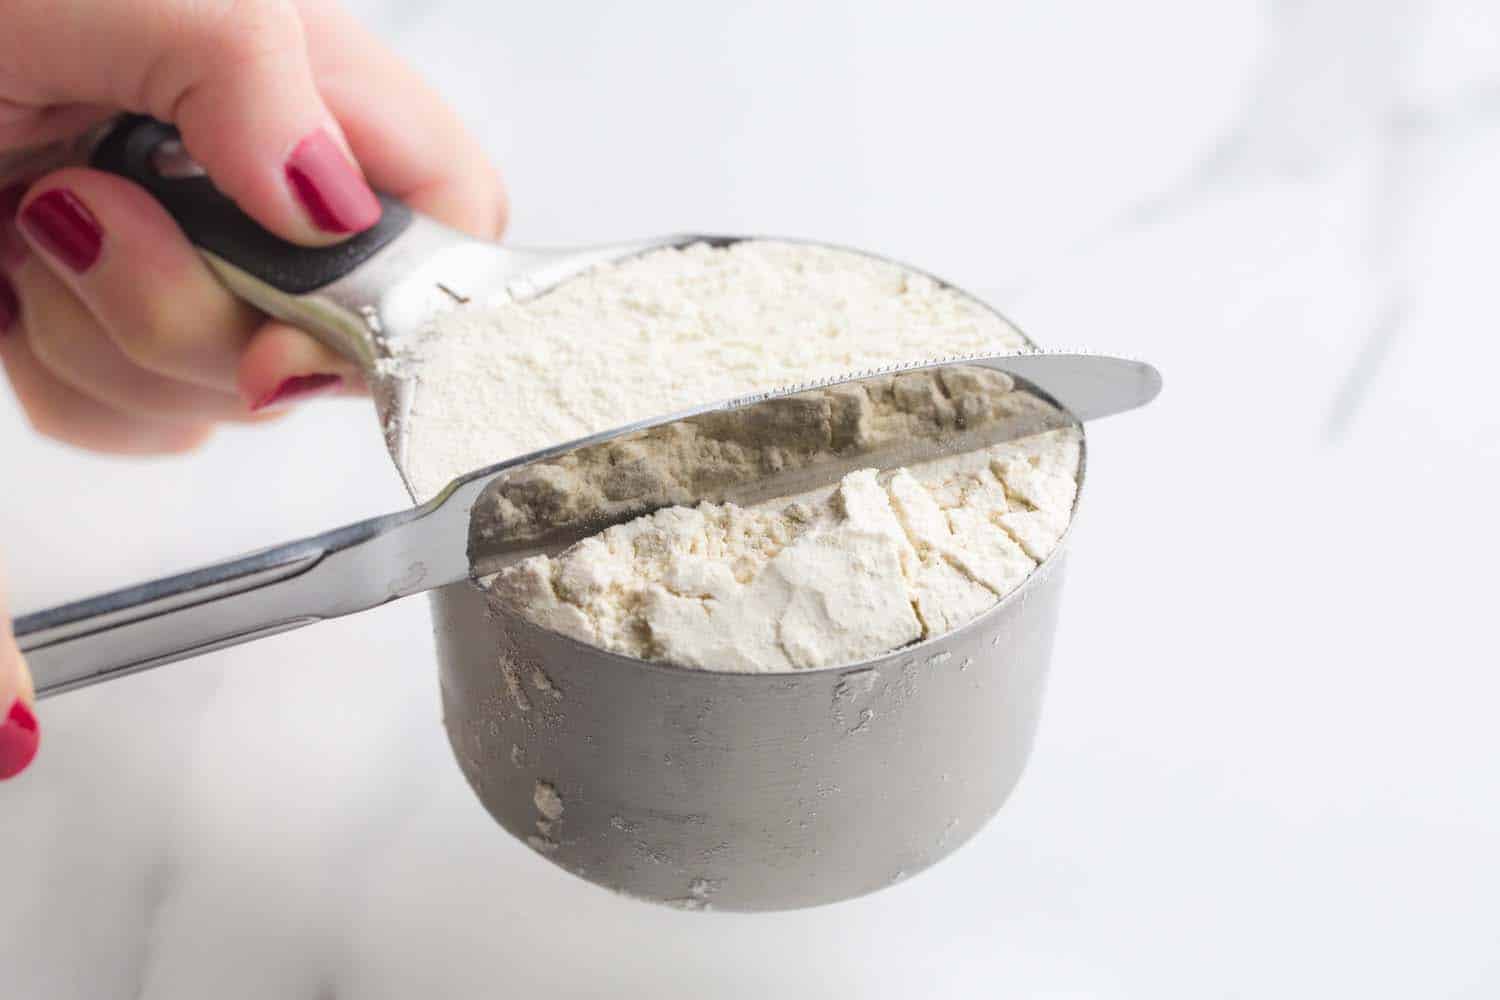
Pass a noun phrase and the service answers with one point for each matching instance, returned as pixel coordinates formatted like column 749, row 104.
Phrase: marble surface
column 1267, row 763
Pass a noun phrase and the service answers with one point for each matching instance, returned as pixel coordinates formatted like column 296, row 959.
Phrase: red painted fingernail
column 296, row 387
column 336, row 197
column 65, row 226
column 10, row 306
column 19, row 738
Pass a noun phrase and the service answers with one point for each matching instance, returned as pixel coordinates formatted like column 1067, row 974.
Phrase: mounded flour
column 819, row 580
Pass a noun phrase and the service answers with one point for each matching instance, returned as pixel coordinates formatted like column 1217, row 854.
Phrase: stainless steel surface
column 784, row 443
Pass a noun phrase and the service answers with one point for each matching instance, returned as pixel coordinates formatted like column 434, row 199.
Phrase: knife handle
column 151, row 154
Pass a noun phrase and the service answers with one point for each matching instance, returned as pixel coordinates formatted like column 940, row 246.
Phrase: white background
column 1267, row 766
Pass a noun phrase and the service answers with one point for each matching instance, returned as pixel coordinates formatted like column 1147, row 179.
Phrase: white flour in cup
column 872, row 565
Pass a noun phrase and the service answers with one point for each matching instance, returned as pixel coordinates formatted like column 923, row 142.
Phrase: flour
column 666, row 331
column 756, row 452
column 878, row 562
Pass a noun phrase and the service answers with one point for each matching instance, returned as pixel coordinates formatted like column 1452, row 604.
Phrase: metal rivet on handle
column 170, row 159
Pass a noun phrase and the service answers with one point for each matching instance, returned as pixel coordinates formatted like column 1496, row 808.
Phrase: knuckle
column 152, row 340
column 177, row 325
column 205, row 39
column 231, row 33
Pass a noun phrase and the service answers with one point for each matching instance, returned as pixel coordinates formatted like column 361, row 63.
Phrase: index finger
column 409, row 141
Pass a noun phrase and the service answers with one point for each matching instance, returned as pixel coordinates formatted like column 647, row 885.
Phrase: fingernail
column 296, row 387
column 336, row 197
column 19, row 738
column 65, row 227
column 10, row 306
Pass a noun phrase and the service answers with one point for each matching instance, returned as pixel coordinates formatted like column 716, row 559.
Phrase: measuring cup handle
column 327, row 576
column 153, row 624
column 151, row 154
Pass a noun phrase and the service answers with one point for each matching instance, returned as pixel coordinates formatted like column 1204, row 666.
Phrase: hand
column 114, row 334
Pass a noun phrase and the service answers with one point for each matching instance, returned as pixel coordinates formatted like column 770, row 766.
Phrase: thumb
column 233, row 77
column 19, row 732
